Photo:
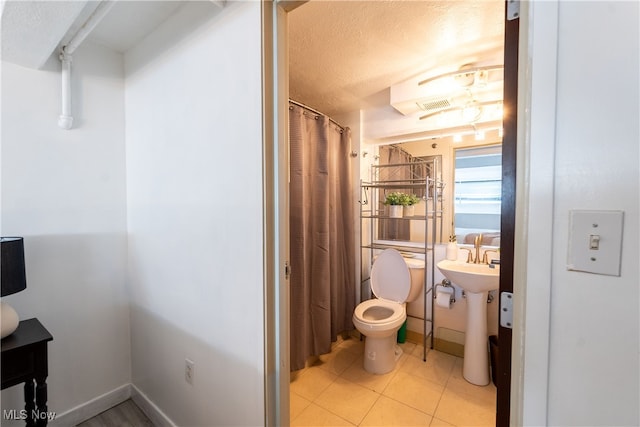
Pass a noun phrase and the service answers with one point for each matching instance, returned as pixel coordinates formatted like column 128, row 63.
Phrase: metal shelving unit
column 423, row 178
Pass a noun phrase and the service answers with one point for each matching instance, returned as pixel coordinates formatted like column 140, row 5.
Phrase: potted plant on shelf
column 394, row 202
column 409, row 201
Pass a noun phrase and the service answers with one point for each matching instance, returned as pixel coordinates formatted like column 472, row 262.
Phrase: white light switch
column 595, row 241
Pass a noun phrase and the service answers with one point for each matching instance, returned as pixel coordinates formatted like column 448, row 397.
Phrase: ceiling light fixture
column 475, row 108
column 471, row 112
column 466, row 76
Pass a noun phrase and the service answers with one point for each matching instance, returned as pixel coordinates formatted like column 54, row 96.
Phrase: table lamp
column 14, row 279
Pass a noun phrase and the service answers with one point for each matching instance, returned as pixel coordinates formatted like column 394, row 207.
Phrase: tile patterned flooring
column 337, row 391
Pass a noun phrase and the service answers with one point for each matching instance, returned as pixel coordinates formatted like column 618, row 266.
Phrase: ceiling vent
column 449, row 90
column 435, row 104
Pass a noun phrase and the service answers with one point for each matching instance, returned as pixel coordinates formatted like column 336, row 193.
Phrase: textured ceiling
column 31, row 30
column 34, row 30
column 344, row 55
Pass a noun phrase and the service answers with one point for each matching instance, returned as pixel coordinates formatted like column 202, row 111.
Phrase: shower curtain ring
column 354, row 154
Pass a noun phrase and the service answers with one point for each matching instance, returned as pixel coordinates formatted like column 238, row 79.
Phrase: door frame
column 276, row 242
column 534, row 211
column 275, row 161
column 508, row 213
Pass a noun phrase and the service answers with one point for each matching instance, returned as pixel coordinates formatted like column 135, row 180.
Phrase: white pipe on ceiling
column 65, row 121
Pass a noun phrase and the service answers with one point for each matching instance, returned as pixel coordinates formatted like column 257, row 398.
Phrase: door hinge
column 506, row 310
column 513, row 9
column 287, row 270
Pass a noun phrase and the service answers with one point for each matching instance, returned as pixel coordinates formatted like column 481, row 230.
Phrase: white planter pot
column 395, row 211
column 409, row 210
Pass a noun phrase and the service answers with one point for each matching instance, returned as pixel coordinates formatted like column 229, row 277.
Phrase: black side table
column 24, row 360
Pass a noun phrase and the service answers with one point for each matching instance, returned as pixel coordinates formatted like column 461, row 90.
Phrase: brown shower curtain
column 322, row 227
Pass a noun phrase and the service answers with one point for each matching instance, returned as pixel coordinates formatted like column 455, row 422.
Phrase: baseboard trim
column 439, row 344
column 90, row 409
column 83, row 412
column 157, row 417
column 449, row 347
column 415, row 337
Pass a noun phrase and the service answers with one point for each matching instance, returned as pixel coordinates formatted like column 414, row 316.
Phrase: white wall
column 194, row 184
column 594, row 342
column 593, row 320
column 64, row 191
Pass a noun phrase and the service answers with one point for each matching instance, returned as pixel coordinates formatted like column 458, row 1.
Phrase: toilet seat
column 391, row 284
column 380, row 313
column 390, row 277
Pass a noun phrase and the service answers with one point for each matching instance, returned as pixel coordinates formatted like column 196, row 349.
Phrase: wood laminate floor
column 126, row 414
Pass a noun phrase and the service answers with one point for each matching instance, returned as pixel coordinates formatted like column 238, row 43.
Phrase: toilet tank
column 416, row 270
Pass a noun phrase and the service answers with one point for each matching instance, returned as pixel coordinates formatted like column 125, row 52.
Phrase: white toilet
column 394, row 281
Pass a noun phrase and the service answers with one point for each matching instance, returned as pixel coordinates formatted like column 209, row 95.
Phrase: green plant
column 394, row 198
column 409, row 199
column 452, row 236
column 402, row 199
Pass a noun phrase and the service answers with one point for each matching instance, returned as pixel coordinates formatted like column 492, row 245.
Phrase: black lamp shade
column 14, row 277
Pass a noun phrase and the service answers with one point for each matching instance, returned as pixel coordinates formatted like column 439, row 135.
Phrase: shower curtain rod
column 306, row 107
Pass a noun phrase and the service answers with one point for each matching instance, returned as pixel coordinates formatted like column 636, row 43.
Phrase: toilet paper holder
column 446, row 283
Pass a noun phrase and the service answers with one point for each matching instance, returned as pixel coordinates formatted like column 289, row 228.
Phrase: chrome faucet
column 477, row 242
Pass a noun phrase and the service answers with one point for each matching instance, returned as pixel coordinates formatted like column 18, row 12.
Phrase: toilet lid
column 390, row 277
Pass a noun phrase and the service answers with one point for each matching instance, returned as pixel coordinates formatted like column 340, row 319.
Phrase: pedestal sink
column 476, row 280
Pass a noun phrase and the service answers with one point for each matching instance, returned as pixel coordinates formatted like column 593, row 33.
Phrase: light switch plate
column 595, row 241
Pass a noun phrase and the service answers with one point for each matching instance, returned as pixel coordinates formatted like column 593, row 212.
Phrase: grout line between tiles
column 404, row 359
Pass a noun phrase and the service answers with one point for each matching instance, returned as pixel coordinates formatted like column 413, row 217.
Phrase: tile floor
column 337, row 391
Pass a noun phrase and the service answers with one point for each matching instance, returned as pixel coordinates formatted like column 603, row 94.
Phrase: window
column 478, row 189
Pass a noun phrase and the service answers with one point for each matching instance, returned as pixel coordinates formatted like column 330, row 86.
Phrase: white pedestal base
column 475, row 366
